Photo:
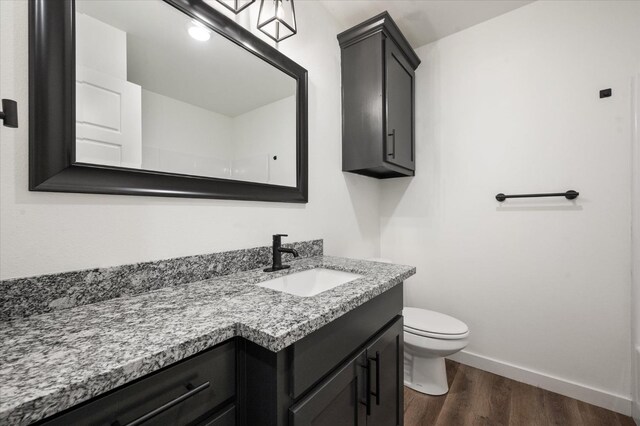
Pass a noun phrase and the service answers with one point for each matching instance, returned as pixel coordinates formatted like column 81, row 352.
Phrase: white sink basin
column 310, row 282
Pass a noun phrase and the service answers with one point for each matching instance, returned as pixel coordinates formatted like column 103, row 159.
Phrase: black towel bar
column 569, row 195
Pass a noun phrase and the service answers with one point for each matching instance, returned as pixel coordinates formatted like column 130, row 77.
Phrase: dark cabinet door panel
column 385, row 356
column 399, row 146
column 335, row 402
column 362, row 103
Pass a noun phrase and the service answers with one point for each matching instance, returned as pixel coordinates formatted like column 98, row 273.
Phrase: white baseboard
column 619, row 403
column 636, row 385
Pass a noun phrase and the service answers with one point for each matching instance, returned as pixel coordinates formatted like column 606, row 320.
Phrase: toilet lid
column 432, row 322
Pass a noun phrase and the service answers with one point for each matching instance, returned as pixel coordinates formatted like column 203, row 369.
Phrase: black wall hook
column 9, row 113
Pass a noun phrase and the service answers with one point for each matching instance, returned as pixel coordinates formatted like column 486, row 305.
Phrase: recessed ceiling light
column 198, row 32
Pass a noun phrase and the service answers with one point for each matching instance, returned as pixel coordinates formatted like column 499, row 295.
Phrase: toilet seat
column 435, row 335
column 422, row 322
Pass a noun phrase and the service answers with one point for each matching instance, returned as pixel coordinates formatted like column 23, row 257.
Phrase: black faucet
column 277, row 253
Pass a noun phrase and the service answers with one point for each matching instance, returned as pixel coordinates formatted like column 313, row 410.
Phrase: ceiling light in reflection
column 199, row 32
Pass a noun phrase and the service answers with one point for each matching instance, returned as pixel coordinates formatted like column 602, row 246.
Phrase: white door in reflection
column 108, row 126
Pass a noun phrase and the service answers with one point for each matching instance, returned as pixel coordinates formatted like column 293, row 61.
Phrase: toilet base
column 426, row 375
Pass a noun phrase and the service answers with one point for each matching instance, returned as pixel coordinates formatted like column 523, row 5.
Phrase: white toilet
column 429, row 337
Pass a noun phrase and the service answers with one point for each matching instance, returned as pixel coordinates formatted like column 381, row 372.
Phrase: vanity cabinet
column 378, row 99
column 348, row 372
column 327, row 377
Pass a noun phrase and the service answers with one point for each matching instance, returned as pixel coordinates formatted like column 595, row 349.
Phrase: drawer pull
column 151, row 414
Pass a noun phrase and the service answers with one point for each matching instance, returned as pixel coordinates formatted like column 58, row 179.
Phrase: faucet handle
column 277, row 239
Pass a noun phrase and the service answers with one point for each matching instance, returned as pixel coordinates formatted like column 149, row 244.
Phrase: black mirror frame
column 52, row 166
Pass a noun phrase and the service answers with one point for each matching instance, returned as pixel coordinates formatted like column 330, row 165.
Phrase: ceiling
column 220, row 76
column 217, row 75
column 422, row 21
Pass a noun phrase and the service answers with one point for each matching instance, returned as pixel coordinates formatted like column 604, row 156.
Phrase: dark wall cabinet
column 378, row 102
column 347, row 373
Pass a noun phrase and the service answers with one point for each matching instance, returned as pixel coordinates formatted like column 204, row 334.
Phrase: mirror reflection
column 156, row 90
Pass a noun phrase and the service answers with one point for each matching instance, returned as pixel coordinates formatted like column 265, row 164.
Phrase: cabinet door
column 385, row 358
column 335, row 402
column 399, row 145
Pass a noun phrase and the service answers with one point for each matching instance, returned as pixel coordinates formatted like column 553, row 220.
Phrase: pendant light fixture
column 236, row 6
column 277, row 19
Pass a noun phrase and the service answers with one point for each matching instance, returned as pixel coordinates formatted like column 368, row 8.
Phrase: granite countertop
column 53, row 361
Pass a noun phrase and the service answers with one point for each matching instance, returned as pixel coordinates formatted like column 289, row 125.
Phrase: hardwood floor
column 478, row 398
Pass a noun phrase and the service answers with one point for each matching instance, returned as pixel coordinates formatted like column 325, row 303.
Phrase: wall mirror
column 164, row 98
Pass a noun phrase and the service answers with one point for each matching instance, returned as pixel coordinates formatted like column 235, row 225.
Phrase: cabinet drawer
column 226, row 417
column 182, row 394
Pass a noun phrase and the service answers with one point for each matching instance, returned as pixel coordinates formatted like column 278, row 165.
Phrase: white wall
column 263, row 133
column 48, row 232
column 512, row 106
column 635, row 251
column 178, row 137
column 182, row 138
column 101, row 47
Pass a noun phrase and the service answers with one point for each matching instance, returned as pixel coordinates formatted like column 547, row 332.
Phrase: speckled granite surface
column 53, row 361
column 23, row 297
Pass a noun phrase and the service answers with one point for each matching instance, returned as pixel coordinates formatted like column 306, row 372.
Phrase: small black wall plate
column 605, row 93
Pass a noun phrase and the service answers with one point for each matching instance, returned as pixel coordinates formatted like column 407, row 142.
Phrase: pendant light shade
column 236, row 6
column 277, row 19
